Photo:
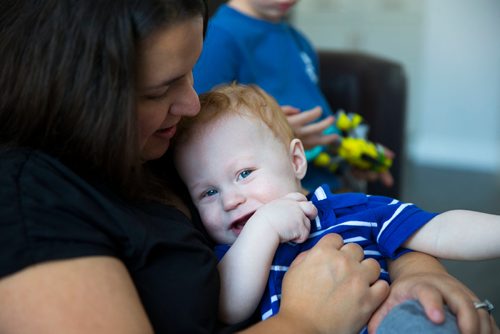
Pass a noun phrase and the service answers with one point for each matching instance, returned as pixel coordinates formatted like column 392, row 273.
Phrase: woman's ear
column 298, row 158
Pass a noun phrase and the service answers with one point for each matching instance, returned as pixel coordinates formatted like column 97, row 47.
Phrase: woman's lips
column 166, row 133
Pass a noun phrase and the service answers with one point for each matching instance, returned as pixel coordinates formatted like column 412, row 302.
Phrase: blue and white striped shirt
column 380, row 225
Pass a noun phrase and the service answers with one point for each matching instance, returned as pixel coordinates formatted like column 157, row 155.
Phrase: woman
column 93, row 237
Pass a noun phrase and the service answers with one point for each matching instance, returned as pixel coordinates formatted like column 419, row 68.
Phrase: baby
column 243, row 169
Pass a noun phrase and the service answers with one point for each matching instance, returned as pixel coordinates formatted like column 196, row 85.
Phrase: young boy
column 249, row 41
column 243, row 169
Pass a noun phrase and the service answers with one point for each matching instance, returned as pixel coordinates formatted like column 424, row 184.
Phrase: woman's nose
column 187, row 102
column 188, row 105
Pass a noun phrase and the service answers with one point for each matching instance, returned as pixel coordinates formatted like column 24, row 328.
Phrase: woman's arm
column 85, row 295
column 328, row 289
column 244, row 269
column 419, row 276
column 459, row 235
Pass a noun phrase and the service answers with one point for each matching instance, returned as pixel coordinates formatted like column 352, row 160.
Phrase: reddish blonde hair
column 245, row 100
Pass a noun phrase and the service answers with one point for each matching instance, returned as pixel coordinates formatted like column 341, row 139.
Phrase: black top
column 47, row 212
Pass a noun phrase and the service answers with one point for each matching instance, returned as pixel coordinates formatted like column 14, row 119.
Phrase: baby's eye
column 209, row 192
column 244, row 174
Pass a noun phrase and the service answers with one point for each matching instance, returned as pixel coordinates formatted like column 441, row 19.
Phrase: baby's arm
column 244, row 269
column 459, row 235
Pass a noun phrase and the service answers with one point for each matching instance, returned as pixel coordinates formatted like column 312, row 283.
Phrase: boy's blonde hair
column 245, row 100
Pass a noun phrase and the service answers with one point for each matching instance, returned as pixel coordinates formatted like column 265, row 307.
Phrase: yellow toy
column 353, row 148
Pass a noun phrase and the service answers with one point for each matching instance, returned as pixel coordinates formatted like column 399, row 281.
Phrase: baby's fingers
column 310, row 211
column 303, row 231
column 296, row 196
column 306, row 206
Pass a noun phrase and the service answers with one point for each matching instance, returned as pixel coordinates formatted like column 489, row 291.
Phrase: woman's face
column 165, row 84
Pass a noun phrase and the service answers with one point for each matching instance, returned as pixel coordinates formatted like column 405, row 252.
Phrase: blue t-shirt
column 274, row 56
column 380, row 225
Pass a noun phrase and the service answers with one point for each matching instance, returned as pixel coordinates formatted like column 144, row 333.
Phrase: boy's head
column 270, row 10
column 237, row 154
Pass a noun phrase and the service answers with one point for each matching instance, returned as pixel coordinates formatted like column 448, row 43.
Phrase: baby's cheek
column 273, row 193
column 209, row 222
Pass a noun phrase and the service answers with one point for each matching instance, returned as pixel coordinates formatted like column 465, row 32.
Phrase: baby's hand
column 288, row 216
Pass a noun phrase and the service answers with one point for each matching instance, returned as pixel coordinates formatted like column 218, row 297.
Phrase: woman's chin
column 155, row 152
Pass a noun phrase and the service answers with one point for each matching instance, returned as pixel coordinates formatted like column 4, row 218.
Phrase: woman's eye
column 244, row 174
column 157, row 97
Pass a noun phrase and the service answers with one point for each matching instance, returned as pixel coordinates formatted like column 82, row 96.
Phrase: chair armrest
column 375, row 88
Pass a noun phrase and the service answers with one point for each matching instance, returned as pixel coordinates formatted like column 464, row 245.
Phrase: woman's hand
column 306, row 128
column 329, row 289
column 420, row 276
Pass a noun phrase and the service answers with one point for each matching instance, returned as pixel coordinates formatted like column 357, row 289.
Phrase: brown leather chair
column 372, row 86
column 375, row 88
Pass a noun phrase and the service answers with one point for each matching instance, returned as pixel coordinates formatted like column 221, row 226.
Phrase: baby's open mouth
column 239, row 223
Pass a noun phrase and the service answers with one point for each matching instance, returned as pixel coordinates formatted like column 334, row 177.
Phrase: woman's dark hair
column 68, row 80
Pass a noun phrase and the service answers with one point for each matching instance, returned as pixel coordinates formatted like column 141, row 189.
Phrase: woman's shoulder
column 14, row 158
column 19, row 162
column 28, row 173
column 35, row 183
column 48, row 212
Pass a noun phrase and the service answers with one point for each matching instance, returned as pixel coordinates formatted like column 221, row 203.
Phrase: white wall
column 460, row 85
column 451, row 53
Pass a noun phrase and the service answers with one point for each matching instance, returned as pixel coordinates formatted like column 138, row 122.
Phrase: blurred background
column 450, row 50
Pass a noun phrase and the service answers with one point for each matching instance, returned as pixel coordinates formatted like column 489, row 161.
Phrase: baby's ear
column 298, row 158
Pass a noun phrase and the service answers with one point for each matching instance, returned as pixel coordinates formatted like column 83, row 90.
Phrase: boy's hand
column 384, row 177
column 288, row 216
column 306, row 128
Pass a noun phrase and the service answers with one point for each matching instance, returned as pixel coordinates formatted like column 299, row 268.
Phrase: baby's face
column 272, row 10
column 231, row 168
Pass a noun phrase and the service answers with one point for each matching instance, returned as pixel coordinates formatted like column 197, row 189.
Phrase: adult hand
column 306, row 128
column 420, row 276
column 331, row 289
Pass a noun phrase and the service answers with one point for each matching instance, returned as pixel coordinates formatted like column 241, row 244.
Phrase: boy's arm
column 459, row 235
column 244, row 269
